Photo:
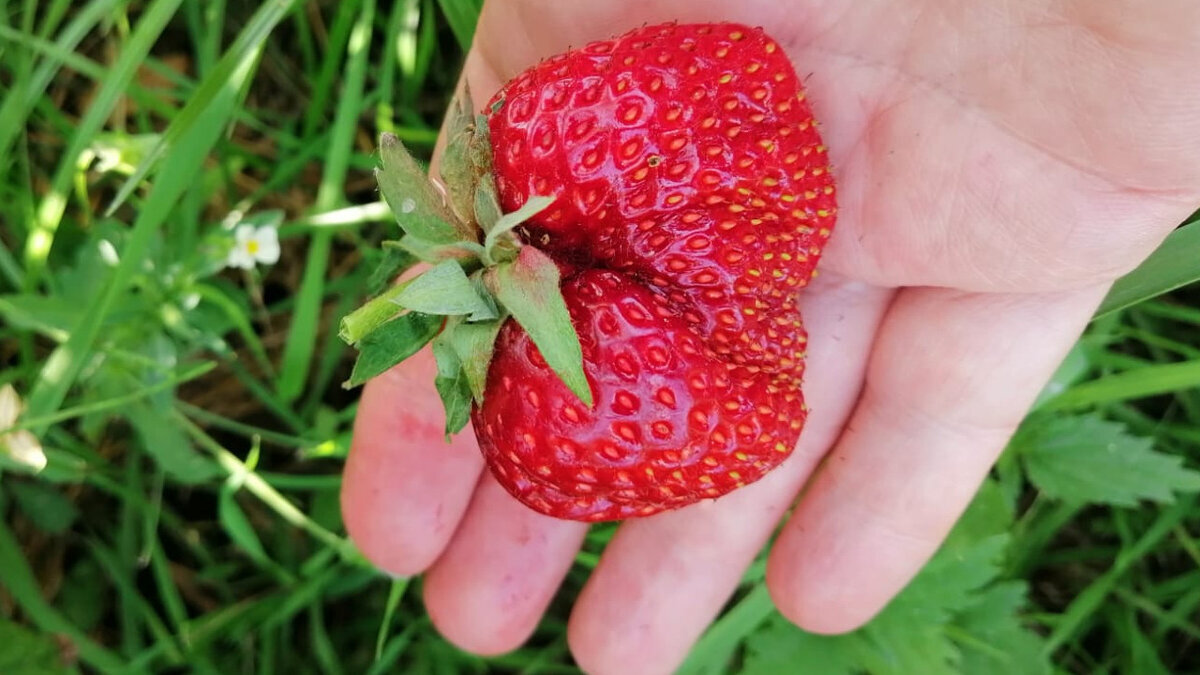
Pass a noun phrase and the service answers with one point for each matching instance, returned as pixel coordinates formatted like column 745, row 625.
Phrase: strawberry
column 650, row 206
column 674, row 422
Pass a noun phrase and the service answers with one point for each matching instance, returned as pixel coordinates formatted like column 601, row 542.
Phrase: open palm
column 998, row 166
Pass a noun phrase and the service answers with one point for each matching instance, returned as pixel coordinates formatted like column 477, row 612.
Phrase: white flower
column 253, row 245
column 21, row 445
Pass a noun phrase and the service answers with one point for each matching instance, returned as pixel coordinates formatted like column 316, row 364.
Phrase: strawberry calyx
column 480, row 274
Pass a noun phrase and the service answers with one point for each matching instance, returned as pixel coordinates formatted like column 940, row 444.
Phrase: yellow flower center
column 252, row 247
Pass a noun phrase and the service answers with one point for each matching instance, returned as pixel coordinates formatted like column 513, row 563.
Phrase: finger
column 950, row 377
column 404, row 488
column 663, row 579
column 489, row 589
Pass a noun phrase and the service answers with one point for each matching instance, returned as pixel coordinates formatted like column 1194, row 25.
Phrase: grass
column 193, row 429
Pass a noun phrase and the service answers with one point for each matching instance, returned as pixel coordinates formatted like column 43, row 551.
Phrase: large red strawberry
column 667, row 191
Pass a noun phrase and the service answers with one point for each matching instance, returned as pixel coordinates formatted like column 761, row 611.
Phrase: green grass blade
column 1174, row 264
column 395, row 594
column 1162, row 378
column 712, row 653
column 1085, row 605
column 21, row 585
column 302, row 337
column 200, row 108
column 117, row 401
column 18, row 104
column 189, row 152
column 462, row 15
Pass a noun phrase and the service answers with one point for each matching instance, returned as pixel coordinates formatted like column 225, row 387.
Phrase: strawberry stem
column 373, row 314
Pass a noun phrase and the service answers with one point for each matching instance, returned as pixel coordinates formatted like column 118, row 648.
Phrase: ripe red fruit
column 673, row 421
column 693, row 196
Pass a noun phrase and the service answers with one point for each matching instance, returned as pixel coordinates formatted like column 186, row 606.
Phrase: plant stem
column 378, row 311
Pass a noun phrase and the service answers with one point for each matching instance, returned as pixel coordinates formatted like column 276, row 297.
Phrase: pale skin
column 998, row 164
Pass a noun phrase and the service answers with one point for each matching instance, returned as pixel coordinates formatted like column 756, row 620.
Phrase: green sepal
column 446, row 290
column 396, row 260
column 451, row 385
column 499, row 247
column 414, row 201
column 434, row 253
column 463, row 165
column 475, row 343
column 391, row 343
column 528, row 288
column 487, row 205
column 481, row 145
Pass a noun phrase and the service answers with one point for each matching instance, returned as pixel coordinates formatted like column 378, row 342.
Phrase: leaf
column 451, row 384
column 915, row 632
column 395, row 262
column 780, row 647
column 535, row 205
column 171, row 449
column 407, row 190
column 28, row 653
column 51, row 315
column 487, row 205
column 1172, row 265
column 459, row 170
column 998, row 644
column 235, row 523
column 445, row 290
column 391, row 343
column 45, row 506
column 1086, row 459
column 529, row 288
column 433, row 252
column 473, row 344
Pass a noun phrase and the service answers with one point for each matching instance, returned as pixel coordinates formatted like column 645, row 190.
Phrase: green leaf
column 1172, row 265
column 529, row 288
column 994, row 642
column 487, row 205
column 1086, row 459
column 451, row 384
column 780, row 647
column 396, row 261
column 45, row 506
column 391, row 343
column 535, row 205
column 919, row 631
column 407, row 190
column 474, row 344
column 169, row 446
column 445, row 290
column 460, row 170
column 28, row 653
column 433, row 252
column 235, row 523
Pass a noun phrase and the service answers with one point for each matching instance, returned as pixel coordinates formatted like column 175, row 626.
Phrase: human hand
column 997, row 167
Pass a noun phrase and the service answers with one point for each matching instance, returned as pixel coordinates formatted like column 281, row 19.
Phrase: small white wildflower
column 21, row 445
column 253, row 245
